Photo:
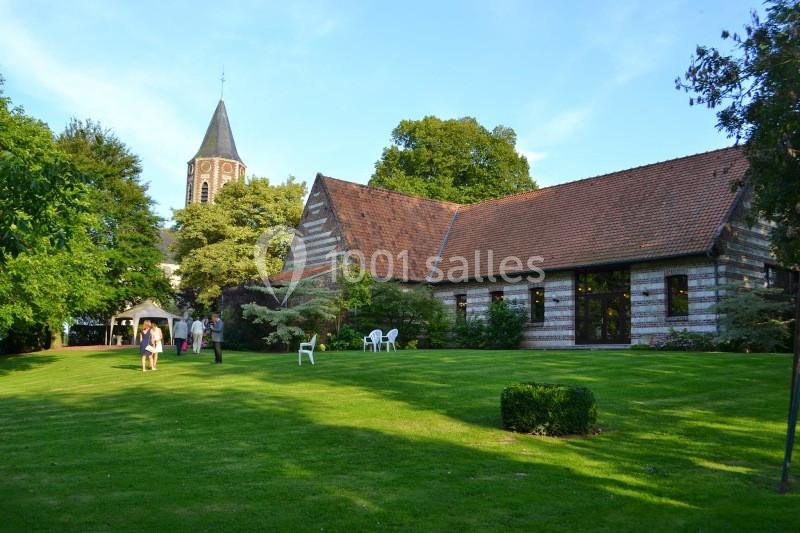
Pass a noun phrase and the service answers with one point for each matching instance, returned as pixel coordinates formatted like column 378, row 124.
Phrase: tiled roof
column 661, row 210
column 667, row 209
column 374, row 219
column 218, row 141
column 311, row 272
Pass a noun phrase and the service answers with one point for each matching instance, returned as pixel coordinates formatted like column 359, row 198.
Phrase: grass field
column 407, row 441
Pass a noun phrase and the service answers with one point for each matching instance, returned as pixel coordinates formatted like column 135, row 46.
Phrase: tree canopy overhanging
column 756, row 92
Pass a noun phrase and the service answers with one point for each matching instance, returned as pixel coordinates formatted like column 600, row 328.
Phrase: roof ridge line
column 598, row 176
column 443, row 244
column 401, row 193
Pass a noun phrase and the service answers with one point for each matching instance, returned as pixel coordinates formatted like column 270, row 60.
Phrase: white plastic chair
column 389, row 339
column 373, row 339
column 308, row 349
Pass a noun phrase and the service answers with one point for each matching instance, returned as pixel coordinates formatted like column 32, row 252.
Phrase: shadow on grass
column 671, row 414
column 137, row 368
column 460, row 384
column 20, row 363
column 227, row 459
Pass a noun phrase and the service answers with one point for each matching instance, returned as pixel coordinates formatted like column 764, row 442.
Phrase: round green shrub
column 548, row 409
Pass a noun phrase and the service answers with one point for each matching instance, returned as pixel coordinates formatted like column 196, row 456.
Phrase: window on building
column 781, row 278
column 678, row 295
column 537, row 305
column 461, row 306
column 496, row 296
column 204, row 193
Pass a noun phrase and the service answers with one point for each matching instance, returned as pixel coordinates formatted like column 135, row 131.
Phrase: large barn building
column 611, row 260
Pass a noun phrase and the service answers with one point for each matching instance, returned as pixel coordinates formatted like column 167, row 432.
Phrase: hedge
column 548, row 409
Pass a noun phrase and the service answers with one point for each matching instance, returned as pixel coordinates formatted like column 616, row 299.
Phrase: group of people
column 151, row 341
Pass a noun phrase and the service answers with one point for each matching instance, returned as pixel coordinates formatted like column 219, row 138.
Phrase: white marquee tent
column 146, row 309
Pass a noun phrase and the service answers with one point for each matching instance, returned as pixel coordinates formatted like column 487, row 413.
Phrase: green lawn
column 365, row 442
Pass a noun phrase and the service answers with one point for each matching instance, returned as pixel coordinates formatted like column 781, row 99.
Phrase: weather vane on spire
column 222, row 84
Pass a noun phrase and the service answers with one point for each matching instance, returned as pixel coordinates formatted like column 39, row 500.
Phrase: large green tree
column 40, row 190
column 214, row 243
column 456, row 160
column 79, row 237
column 48, row 286
column 127, row 229
column 756, row 90
column 50, row 269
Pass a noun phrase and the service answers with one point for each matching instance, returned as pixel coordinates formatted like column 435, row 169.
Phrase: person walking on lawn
column 146, row 347
column 216, row 337
column 180, row 335
column 197, row 335
column 158, row 343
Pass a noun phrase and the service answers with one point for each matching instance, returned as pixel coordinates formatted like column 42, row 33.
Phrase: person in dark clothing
column 216, row 337
column 180, row 335
column 145, row 343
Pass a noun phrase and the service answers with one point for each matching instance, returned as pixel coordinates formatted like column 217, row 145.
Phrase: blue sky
column 318, row 86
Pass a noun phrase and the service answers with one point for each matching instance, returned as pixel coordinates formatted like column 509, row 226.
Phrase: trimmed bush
column 548, row 409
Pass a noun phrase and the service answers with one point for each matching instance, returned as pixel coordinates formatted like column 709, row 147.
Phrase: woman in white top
column 158, row 338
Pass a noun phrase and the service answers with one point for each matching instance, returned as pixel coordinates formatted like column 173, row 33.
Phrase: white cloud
column 634, row 37
column 565, row 124
column 122, row 100
column 531, row 156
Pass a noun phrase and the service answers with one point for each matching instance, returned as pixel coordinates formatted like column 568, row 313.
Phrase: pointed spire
column 218, row 141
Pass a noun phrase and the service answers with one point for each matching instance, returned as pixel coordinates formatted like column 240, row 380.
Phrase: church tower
column 216, row 163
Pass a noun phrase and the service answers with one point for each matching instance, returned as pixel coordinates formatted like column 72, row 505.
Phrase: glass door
column 602, row 307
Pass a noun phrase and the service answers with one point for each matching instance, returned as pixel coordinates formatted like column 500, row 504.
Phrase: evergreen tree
column 311, row 309
column 754, row 319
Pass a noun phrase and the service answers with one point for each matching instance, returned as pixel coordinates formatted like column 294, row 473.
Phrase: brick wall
column 558, row 328
column 744, row 250
column 649, row 318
